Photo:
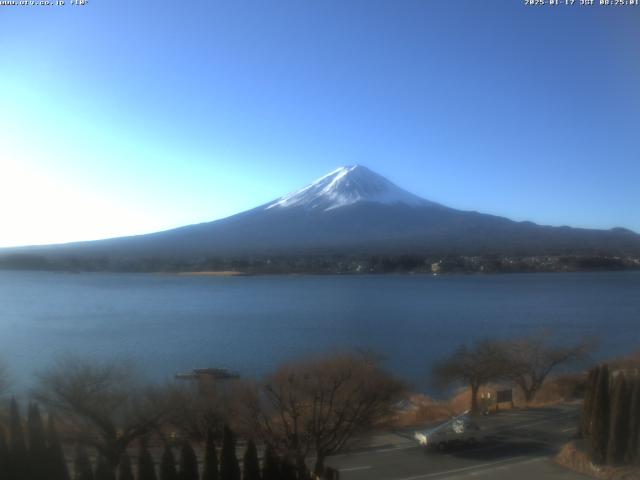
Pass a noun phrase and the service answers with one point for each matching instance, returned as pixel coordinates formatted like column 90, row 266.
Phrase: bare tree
column 204, row 406
column 105, row 404
column 533, row 358
column 474, row 366
column 319, row 406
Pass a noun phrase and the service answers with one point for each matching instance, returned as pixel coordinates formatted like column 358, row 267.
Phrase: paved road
column 518, row 445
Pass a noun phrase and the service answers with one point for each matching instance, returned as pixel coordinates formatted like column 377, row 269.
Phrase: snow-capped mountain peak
column 346, row 186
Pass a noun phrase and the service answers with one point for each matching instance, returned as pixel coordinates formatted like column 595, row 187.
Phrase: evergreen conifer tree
column 18, row 455
column 56, row 461
column 599, row 437
column 168, row 469
column 270, row 464
column 146, row 467
column 4, row 454
column 633, row 450
column 229, row 467
column 619, row 428
column 125, row 470
column 37, row 439
column 17, row 443
column 587, row 405
column 103, row 470
column 210, row 470
column 287, row 470
column 250, row 464
column 38, row 453
column 188, row 463
column 82, row 465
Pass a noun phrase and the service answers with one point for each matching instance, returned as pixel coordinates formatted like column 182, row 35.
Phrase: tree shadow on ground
column 495, row 448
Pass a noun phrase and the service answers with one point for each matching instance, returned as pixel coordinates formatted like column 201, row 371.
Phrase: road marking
column 353, row 469
column 458, row 470
column 520, row 426
column 568, row 429
column 504, row 467
column 393, row 449
column 377, row 450
column 495, row 430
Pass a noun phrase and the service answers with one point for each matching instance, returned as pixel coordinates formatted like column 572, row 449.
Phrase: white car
column 458, row 430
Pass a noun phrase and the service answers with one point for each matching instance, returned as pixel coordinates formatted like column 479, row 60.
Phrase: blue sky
column 129, row 117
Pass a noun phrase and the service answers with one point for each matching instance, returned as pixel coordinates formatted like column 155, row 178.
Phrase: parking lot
column 518, row 444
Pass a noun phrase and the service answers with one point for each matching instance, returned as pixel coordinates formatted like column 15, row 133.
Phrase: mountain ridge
column 351, row 211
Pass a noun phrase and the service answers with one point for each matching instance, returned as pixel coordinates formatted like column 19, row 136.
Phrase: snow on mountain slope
column 346, row 186
column 352, row 210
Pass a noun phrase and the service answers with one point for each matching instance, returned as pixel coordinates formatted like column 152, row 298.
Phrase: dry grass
column 574, row 458
column 558, row 389
column 423, row 409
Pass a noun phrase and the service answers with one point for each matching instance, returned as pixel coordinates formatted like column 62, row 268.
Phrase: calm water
column 173, row 323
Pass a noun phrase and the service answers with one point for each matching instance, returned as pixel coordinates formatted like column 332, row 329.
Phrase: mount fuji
column 352, row 210
column 348, row 186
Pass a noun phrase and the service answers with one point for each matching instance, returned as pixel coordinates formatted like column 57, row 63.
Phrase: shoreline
column 210, row 273
column 237, row 273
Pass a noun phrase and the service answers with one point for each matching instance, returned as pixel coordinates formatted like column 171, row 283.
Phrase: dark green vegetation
column 229, row 467
column 210, row 467
column 146, row 468
column 125, row 469
column 168, row 469
column 250, row 463
column 39, row 455
column 610, row 421
column 82, row 465
column 310, row 409
column 189, row 463
column 326, row 264
column 300, row 415
column 270, row 464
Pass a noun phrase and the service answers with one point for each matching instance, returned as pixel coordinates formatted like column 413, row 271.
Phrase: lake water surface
column 171, row 323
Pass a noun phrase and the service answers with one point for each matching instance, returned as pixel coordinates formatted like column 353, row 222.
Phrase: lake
column 171, row 323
